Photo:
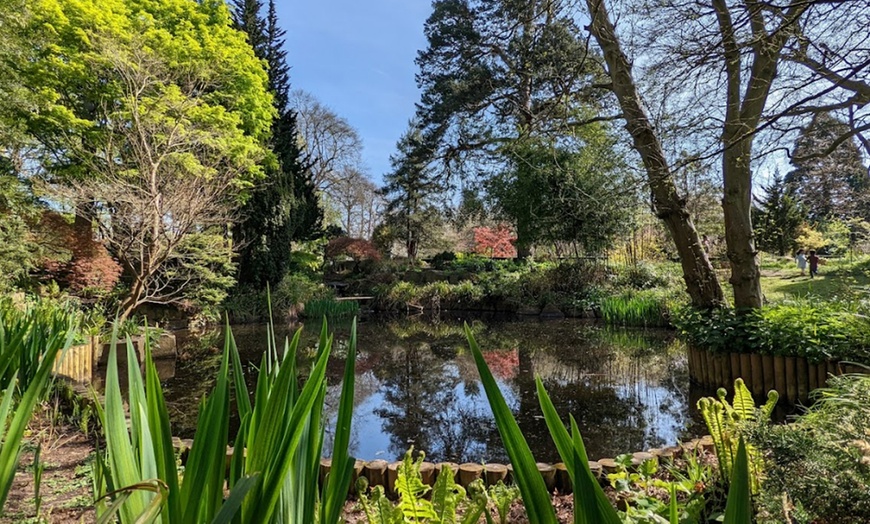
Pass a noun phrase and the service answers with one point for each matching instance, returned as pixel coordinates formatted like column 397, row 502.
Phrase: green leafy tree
column 19, row 251
column 496, row 72
column 552, row 194
column 778, row 218
column 831, row 184
column 152, row 119
column 283, row 207
column 411, row 215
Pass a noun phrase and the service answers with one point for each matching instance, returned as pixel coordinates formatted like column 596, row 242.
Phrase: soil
column 66, row 481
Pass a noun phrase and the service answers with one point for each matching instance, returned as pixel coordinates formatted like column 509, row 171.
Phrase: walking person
column 801, row 259
column 814, row 263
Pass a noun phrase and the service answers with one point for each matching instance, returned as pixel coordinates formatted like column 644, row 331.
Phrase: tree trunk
column 702, row 283
column 129, row 304
column 745, row 273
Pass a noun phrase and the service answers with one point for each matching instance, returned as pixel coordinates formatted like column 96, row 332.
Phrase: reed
column 635, row 310
column 330, row 308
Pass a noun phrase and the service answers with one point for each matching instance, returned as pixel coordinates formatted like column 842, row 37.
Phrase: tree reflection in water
column 417, row 385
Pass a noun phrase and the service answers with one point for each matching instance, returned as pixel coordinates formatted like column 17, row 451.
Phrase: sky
column 357, row 58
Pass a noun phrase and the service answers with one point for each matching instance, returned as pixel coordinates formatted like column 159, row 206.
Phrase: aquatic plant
column 330, row 308
column 636, row 309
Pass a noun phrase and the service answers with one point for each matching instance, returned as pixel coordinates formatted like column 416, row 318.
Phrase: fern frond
column 744, row 404
column 409, row 485
column 767, row 408
column 446, row 497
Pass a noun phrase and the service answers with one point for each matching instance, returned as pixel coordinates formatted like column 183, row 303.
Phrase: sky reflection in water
column 417, row 385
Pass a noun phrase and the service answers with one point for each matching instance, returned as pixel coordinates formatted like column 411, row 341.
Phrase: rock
column 552, row 312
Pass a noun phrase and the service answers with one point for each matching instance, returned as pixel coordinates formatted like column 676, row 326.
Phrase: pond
column 417, row 385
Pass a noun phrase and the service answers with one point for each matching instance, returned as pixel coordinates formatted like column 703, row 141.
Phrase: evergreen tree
column 411, row 216
column 778, row 218
column 833, row 185
column 284, row 207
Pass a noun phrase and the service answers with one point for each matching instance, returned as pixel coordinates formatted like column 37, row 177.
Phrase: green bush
column 808, row 328
column 443, row 260
column 639, row 276
column 818, row 467
column 247, row 304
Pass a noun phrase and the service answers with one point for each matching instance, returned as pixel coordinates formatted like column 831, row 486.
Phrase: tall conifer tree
column 284, row 207
column 830, row 184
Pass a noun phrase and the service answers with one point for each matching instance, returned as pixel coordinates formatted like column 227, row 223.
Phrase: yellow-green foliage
column 724, row 423
column 448, row 498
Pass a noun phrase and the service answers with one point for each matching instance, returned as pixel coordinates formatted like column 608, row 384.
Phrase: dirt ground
column 66, row 481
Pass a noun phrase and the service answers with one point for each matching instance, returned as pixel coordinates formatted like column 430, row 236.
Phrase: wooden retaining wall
column 383, row 473
column 79, row 363
column 792, row 377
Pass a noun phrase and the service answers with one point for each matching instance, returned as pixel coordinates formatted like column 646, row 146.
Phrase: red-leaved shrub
column 356, row 248
column 90, row 266
column 498, row 242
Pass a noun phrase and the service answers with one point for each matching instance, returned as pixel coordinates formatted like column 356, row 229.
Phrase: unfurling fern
column 448, row 498
column 723, row 421
column 409, row 485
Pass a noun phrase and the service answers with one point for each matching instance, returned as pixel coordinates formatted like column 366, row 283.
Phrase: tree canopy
column 411, row 215
column 283, row 206
column 152, row 120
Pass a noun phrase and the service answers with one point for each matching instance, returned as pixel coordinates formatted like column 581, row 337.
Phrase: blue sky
column 357, row 57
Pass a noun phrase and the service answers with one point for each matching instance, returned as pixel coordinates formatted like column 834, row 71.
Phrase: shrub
column 248, row 304
column 818, row 468
column 442, row 260
column 90, row 266
column 495, row 242
column 356, row 248
column 816, row 330
column 639, row 276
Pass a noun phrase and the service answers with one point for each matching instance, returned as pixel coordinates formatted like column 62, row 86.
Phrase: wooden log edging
column 794, row 378
column 556, row 478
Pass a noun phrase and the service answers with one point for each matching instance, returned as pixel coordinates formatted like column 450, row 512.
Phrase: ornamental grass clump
column 273, row 473
column 30, row 341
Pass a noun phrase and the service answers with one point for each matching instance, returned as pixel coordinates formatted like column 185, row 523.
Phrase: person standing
column 801, row 259
column 814, row 263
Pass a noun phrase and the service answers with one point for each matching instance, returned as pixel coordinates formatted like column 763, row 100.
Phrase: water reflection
column 417, row 385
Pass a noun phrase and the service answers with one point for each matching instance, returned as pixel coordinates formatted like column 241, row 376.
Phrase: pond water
column 417, row 385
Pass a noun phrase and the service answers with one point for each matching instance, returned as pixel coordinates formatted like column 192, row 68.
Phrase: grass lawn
column 781, row 279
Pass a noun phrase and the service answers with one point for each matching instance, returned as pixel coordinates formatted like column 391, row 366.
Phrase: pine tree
column 833, row 185
column 284, row 207
column 411, row 216
column 778, row 218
